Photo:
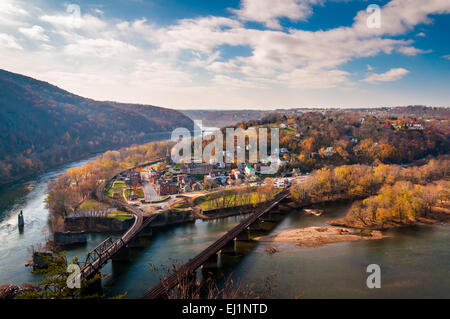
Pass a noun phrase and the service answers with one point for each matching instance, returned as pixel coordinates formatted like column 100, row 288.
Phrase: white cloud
column 102, row 48
column 86, row 23
column 12, row 13
column 411, row 51
column 400, row 16
column 98, row 11
column 201, row 34
column 9, row 42
column 189, row 58
column 236, row 83
column 35, row 33
column 276, row 52
column 12, row 8
column 421, row 34
column 46, row 47
column 446, row 56
column 268, row 11
column 158, row 73
column 310, row 78
column 389, row 76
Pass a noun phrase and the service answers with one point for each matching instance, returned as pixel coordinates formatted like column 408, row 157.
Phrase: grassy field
column 162, row 199
column 206, row 202
column 139, row 193
column 117, row 214
column 117, row 188
column 92, row 205
column 289, row 131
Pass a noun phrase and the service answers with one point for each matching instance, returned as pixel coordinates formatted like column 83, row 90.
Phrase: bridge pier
column 257, row 225
column 284, row 208
column 210, row 263
column 122, row 255
column 229, row 248
column 243, row 236
column 275, row 210
column 146, row 232
column 135, row 242
column 93, row 287
column 269, row 217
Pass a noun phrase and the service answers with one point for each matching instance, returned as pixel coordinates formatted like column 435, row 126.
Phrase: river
column 415, row 262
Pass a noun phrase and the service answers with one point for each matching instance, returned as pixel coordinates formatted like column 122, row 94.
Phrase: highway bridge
column 162, row 288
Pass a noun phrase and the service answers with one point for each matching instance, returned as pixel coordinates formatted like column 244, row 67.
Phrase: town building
column 164, row 188
column 249, row 171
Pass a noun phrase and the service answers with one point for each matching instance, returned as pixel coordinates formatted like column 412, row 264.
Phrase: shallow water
column 415, row 263
column 15, row 244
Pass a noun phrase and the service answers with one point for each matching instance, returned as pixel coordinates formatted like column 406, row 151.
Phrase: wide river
column 414, row 262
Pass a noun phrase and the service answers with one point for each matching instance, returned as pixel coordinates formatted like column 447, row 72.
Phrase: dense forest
column 43, row 126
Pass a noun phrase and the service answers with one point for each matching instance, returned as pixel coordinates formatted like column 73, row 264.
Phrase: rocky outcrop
column 41, row 259
column 10, row 291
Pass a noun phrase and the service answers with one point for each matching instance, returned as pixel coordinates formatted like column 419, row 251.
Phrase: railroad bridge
column 110, row 249
column 209, row 255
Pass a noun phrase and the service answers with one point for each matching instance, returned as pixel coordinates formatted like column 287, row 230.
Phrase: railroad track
column 187, row 269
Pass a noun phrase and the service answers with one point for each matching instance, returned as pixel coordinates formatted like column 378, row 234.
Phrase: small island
column 319, row 236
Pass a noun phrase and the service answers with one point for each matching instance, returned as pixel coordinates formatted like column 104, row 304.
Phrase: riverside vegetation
column 393, row 196
column 70, row 190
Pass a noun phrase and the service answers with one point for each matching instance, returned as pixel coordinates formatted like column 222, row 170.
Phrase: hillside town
column 156, row 185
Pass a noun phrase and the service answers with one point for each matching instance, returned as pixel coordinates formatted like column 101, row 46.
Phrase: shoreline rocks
column 315, row 212
column 10, row 291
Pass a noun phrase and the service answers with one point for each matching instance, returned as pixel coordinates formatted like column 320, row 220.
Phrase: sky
column 234, row 54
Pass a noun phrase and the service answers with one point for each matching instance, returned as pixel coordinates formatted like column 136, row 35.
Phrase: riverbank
column 437, row 215
column 320, row 236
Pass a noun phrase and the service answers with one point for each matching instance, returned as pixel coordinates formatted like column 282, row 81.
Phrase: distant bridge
column 209, row 254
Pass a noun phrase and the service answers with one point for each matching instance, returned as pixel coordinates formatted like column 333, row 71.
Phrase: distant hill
column 42, row 125
column 217, row 118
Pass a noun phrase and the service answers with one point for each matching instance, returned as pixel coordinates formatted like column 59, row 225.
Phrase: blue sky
column 234, row 54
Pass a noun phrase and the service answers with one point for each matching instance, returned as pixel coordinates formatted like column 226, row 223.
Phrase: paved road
column 149, row 190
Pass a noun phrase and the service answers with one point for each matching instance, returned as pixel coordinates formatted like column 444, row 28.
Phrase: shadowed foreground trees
column 212, row 286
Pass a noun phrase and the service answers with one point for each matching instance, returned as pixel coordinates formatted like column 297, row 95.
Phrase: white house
column 249, row 171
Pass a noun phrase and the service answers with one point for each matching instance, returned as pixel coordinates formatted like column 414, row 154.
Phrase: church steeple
column 168, row 158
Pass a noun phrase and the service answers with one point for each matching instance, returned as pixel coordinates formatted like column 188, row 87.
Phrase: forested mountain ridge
column 42, row 125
